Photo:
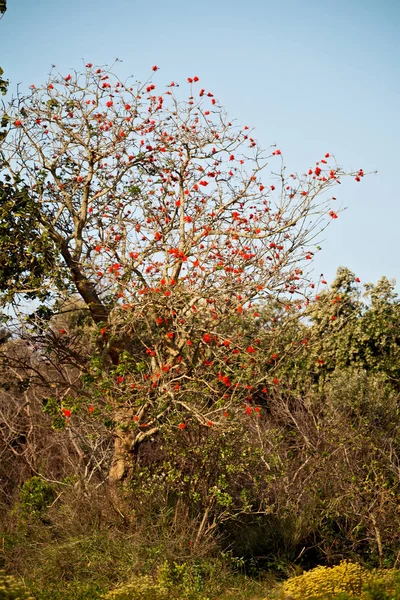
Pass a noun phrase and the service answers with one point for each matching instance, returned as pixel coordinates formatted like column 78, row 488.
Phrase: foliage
column 347, row 581
column 327, row 581
column 12, row 589
column 159, row 212
column 178, row 346
column 27, row 254
column 35, row 497
column 142, row 588
column 3, row 82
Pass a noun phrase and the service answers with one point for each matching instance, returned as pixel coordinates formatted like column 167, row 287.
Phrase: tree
column 349, row 330
column 3, row 82
column 158, row 213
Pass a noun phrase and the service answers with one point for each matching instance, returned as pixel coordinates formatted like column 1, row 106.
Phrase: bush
column 141, row 588
column 323, row 582
column 35, row 496
column 385, row 585
column 12, row 589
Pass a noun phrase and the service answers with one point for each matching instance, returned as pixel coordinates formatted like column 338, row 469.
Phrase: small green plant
column 12, row 589
column 35, row 497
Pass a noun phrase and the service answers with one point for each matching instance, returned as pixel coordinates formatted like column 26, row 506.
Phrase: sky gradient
column 311, row 77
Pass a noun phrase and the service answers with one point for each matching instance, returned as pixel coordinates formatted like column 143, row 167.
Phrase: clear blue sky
column 310, row 76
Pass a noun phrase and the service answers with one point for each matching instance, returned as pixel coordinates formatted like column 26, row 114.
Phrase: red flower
column 90, row 408
column 89, row 65
column 182, row 425
column 18, row 123
column 67, row 78
column 357, row 279
column 190, row 80
column 248, row 410
column 209, row 423
column 154, row 68
column 226, row 414
column 66, row 412
column 120, row 379
column 275, row 381
column 195, row 78
column 170, row 334
column 63, row 331
column 333, row 214
column 109, row 103
column 207, row 338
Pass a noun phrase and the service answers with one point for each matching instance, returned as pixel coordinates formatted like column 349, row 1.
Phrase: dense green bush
column 35, row 496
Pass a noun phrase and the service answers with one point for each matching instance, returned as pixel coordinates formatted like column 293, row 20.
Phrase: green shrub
column 385, row 585
column 12, row 589
column 35, row 496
